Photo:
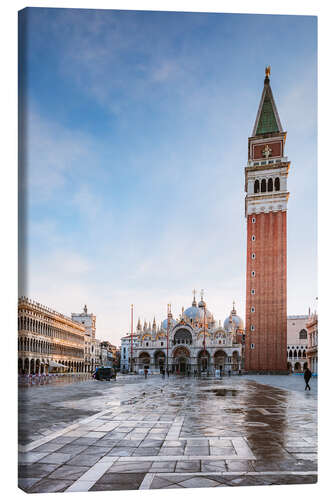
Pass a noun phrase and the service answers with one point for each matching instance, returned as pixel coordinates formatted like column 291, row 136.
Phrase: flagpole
column 167, row 360
column 131, row 338
column 205, row 330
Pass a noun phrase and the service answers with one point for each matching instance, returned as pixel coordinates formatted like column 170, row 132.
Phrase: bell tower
column 266, row 217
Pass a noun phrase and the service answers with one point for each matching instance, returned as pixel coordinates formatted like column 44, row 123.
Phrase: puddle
column 224, row 392
column 256, row 424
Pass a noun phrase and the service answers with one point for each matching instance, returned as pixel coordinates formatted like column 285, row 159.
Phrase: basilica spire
column 267, row 120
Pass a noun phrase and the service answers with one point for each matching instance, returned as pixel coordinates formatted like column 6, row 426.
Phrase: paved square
column 168, row 433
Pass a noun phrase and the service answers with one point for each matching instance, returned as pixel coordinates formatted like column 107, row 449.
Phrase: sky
column 135, row 130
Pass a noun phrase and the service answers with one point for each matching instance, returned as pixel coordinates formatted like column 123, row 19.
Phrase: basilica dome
column 172, row 323
column 233, row 320
column 194, row 313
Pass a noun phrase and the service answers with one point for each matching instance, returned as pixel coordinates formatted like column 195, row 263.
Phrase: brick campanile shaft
column 266, row 215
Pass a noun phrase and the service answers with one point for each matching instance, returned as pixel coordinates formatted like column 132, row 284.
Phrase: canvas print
column 167, row 309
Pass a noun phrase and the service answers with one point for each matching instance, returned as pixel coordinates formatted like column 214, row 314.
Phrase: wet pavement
column 171, row 433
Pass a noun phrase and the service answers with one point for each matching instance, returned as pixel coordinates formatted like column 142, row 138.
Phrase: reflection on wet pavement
column 171, row 433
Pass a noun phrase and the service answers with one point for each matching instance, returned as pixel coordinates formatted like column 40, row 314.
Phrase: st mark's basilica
column 194, row 343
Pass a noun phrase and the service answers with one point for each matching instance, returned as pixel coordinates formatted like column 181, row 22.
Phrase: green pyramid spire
column 268, row 120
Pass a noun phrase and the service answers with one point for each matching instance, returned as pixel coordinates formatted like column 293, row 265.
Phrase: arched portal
column 26, row 366
column 297, row 367
column 203, row 360
column 159, row 360
column 144, row 360
column 220, row 358
column 181, row 360
column 32, row 367
column 20, row 366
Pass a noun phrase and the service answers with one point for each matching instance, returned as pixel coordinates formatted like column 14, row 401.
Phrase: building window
column 147, row 343
column 256, row 186
column 253, row 237
column 253, row 256
column 270, row 185
column 252, row 309
column 263, row 186
column 252, row 346
column 219, row 341
column 253, row 273
column 253, row 291
column 277, row 184
column 303, row 334
column 252, row 328
column 253, row 220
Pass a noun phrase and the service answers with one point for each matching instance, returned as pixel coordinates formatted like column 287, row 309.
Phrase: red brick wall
column 270, row 299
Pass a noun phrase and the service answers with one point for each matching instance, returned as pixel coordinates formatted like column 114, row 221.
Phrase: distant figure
column 220, row 372
column 163, row 373
column 146, row 372
column 168, row 373
column 307, row 376
column 229, row 373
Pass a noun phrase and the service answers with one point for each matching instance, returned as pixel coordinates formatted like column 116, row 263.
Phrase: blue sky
column 137, row 127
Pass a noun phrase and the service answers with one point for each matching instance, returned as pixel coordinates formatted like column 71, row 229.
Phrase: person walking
column 307, row 376
column 146, row 372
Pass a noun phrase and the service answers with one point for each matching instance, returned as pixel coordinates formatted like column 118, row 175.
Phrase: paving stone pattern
column 177, row 433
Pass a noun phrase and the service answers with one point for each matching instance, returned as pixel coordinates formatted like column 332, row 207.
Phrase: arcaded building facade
column 194, row 343
column 297, row 343
column 47, row 340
